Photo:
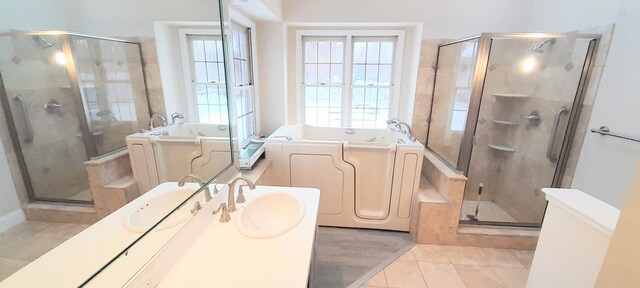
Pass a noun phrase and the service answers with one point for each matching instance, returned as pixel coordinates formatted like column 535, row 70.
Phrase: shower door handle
column 551, row 155
column 29, row 137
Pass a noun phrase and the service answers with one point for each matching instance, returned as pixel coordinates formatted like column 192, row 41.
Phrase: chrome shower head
column 46, row 44
column 538, row 48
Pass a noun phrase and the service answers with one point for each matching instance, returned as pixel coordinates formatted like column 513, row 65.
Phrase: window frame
column 188, row 73
column 251, row 86
column 348, row 68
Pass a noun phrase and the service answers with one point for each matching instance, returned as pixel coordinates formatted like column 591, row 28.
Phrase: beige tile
column 407, row 256
column 465, row 255
column 9, row 266
column 501, row 258
column 475, row 276
column 379, row 280
column 512, row 277
column 402, row 274
column 431, row 253
column 28, row 228
column 365, row 286
column 524, row 256
column 440, row 275
column 61, row 230
column 26, row 248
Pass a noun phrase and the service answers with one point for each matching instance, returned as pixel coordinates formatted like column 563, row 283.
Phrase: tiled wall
column 424, row 88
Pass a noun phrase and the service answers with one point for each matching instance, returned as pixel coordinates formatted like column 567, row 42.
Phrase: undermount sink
column 269, row 216
column 149, row 213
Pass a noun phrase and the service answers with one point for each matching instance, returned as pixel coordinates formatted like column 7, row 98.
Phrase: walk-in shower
column 504, row 112
column 68, row 98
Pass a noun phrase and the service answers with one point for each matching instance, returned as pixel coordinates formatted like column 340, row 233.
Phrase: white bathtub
column 166, row 154
column 367, row 177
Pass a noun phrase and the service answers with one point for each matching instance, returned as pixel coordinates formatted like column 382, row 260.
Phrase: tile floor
column 435, row 266
column 29, row 240
column 487, row 211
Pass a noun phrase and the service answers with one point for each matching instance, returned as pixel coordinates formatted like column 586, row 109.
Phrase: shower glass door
column 531, row 87
column 44, row 116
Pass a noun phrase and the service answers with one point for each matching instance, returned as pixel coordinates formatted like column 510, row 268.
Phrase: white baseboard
column 11, row 219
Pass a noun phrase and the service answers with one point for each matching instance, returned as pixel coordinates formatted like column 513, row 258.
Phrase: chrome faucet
column 231, row 201
column 207, row 195
column 398, row 125
column 175, row 116
column 164, row 121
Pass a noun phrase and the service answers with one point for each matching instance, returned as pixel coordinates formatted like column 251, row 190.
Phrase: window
column 348, row 87
column 206, row 62
column 323, row 81
column 243, row 79
column 464, row 78
column 372, row 83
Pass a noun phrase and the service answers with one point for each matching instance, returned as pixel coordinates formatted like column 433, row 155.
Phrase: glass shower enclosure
column 68, row 98
column 504, row 112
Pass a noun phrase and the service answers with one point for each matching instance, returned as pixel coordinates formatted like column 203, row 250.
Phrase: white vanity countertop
column 600, row 215
column 222, row 257
column 75, row 260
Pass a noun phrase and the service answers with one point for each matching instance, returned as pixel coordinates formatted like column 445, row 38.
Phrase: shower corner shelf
column 510, row 96
column 509, row 123
column 501, row 148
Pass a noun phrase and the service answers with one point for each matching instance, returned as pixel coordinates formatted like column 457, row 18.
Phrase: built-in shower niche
column 69, row 98
column 525, row 89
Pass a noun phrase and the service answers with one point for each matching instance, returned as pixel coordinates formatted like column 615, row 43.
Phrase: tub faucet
column 231, row 201
column 207, row 195
column 154, row 117
column 398, row 125
column 175, row 116
column 394, row 122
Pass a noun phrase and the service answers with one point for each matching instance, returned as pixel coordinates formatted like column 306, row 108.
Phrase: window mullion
column 347, row 82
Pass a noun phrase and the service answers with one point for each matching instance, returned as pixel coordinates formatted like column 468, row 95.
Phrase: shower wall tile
column 424, row 88
column 152, row 74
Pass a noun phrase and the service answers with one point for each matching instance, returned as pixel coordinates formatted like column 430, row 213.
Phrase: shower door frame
column 480, row 74
column 89, row 145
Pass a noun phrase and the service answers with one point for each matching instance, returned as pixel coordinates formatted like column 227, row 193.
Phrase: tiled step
column 60, row 212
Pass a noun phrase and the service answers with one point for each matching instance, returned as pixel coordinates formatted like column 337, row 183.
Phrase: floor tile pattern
column 436, row 266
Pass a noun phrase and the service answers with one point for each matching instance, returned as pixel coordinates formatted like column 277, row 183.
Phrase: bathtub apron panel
column 321, row 165
column 327, row 178
column 171, row 155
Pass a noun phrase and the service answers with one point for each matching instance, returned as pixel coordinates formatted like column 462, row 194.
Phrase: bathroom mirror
column 101, row 102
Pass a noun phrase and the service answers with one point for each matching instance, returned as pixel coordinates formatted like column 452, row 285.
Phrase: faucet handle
column 224, row 217
column 196, row 207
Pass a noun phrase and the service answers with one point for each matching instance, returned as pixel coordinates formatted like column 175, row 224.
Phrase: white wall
column 36, row 15
column 135, row 18
column 10, row 211
column 606, row 165
column 271, row 52
column 440, row 18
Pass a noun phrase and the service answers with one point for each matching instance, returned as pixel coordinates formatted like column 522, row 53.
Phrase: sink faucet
column 175, row 116
column 154, row 117
column 207, row 195
column 231, row 201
